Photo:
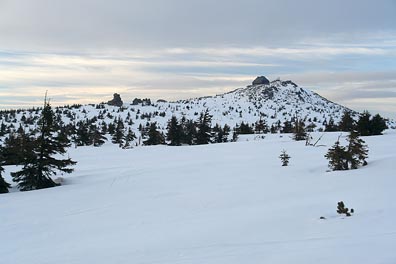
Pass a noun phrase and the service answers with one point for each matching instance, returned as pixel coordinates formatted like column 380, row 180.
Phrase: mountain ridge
column 274, row 102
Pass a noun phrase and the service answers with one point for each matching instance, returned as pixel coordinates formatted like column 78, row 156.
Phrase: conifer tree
column 3, row 184
column 363, row 124
column 13, row 147
column 273, row 129
column 63, row 134
column 261, row 126
column 299, row 130
column 104, row 127
column 221, row 134
column 244, row 128
column 357, row 151
column 189, row 131
column 129, row 137
column 377, row 125
column 234, row 136
column 287, row 127
column 204, row 128
column 347, row 123
column 341, row 209
column 2, row 129
column 338, row 157
column 226, row 132
column 174, row 135
column 284, row 158
column 111, row 128
column 83, row 137
column 39, row 161
column 118, row 136
column 154, row 136
column 98, row 137
column 330, row 126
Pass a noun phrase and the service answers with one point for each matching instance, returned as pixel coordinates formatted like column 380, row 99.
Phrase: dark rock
column 146, row 102
column 116, row 100
column 136, row 101
column 261, row 80
column 143, row 102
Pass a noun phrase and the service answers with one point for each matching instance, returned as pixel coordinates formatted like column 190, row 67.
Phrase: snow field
column 222, row 203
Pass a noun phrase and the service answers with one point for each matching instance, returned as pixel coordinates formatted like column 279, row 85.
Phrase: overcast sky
column 82, row 51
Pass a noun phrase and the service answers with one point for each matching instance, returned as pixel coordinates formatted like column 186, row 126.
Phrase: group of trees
column 348, row 157
column 36, row 153
column 45, row 134
column 188, row 132
column 366, row 125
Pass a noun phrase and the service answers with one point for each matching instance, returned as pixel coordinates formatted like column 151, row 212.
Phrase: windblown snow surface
column 221, row 203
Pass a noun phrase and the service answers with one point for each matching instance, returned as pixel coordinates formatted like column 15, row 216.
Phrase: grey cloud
column 93, row 24
column 326, row 78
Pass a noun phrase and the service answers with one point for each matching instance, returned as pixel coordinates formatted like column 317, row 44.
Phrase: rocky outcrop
column 261, row 80
column 116, row 100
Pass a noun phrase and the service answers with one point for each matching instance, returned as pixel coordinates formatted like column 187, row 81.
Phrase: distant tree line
column 366, row 125
column 27, row 137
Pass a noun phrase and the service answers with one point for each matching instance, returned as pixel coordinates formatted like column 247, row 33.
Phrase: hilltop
column 276, row 104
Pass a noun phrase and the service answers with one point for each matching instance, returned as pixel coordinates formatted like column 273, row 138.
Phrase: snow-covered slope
column 222, row 204
column 275, row 102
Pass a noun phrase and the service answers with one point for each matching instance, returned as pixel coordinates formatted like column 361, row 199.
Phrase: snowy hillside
column 274, row 102
column 221, row 203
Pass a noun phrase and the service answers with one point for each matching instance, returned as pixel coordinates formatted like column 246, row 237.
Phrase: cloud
column 373, row 91
column 180, row 73
column 57, row 25
column 82, row 50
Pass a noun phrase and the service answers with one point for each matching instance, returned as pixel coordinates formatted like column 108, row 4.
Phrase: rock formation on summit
column 116, row 100
column 261, row 80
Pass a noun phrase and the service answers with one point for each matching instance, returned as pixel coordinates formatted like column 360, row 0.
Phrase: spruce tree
column 189, row 132
column 3, row 184
column 111, row 128
column 287, row 127
column 204, row 128
column 218, row 134
column 244, row 128
column 341, row 209
column 226, row 132
column 97, row 137
column 118, row 136
column 338, row 157
column 284, row 158
column 299, row 130
column 347, row 123
column 234, row 136
column 363, row 124
column 40, row 162
column 357, row 151
column 154, row 136
column 261, row 126
column 377, row 125
column 13, row 147
column 129, row 137
column 83, row 137
column 331, row 127
column 221, row 133
column 174, row 135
